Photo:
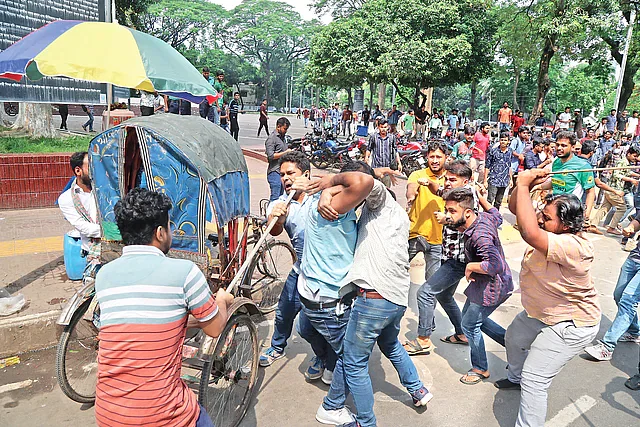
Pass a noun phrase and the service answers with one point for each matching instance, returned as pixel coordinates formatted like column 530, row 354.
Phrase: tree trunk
column 36, row 120
column 382, row 94
column 543, row 77
column 627, row 86
column 267, row 78
column 472, row 102
column 349, row 98
column 372, row 87
column 516, row 81
column 429, row 99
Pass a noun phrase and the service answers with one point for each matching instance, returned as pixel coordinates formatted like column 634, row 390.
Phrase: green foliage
column 128, row 12
column 182, row 23
column 337, row 8
column 415, row 44
column 24, row 144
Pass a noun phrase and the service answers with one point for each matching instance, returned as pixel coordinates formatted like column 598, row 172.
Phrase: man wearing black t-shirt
column 234, row 109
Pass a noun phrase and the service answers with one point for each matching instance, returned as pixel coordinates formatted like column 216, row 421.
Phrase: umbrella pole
column 109, row 100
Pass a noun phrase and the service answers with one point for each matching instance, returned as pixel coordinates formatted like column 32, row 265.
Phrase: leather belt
column 369, row 294
column 314, row 305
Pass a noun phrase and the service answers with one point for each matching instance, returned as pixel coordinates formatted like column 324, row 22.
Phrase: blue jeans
column 626, row 295
column 89, row 122
column 203, row 419
column 275, row 184
column 332, row 328
column 371, row 321
column 475, row 320
column 288, row 307
column 432, row 254
column 440, row 287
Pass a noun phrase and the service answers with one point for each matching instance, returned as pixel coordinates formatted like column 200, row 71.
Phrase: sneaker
column 627, row 337
column 505, row 384
column 599, row 352
column 271, row 355
column 336, row 417
column 327, row 377
column 84, row 128
column 315, row 369
column 351, row 424
column 421, row 397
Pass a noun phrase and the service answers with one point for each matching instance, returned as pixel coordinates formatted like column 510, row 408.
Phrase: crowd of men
column 350, row 286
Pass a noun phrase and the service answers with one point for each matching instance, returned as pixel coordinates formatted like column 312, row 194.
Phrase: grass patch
column 24, row 144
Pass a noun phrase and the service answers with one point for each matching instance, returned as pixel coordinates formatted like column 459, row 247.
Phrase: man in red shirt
column 479, row 155
column 517, row 121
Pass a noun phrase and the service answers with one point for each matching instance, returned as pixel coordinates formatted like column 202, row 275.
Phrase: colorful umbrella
column 126, row 58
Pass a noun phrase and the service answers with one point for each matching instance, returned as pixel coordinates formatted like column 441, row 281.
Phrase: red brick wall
column 32, row 180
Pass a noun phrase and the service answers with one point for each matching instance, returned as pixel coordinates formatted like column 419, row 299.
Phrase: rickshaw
column 203, row 171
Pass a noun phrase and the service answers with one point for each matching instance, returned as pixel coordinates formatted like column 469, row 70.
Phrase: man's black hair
column 300, row 160
column 565, row 134
column 206, row 70
column 537, row 141
column 283, row 121
column 382, row 121
column 613, row 109
column 504, row 135
column 461, row 195
column 236, row 93
column 358, row 166
column 459, row 168
column 140, row 213
column 468, row 130
column 437, row 145
column 524, row 129
column 483, row 124
column 588, row 147
column 569, row 210
column 77, row 160
column 633, row 149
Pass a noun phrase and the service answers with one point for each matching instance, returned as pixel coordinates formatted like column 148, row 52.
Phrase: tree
column 36, row 120
column 269, row 33
column 128, row 12
column 181, row 23
column 411, row 45
column 337, row 8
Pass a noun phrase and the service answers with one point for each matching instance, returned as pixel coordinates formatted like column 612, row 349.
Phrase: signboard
column 358, row 100
column 19, row 18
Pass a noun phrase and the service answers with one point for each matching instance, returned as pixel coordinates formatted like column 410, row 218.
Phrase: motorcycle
column 412, row 160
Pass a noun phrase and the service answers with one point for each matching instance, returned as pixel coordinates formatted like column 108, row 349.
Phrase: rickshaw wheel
column 77, row 357
column 268, row 273
column 226, row 387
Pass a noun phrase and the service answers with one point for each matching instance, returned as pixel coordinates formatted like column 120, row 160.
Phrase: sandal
column 414, row 348
column 633, row 383
column 476, row 377
column 453, row 339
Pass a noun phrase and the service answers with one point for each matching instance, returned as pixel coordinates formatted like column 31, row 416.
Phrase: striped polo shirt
column 145, row 298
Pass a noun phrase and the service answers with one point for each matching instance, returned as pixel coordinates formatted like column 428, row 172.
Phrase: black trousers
column 64, row 113
column 264, row 125
column 235, row 129
column 146, row 111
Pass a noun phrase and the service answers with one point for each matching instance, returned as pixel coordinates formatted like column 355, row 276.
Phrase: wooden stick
column 238, row 277
column 597, row 169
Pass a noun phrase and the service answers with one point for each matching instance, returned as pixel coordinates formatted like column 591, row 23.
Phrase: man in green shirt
column 581, row 184
column 408, row 122
column 217, row 85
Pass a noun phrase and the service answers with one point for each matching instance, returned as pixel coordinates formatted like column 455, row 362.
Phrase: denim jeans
column 440, row 287
column 371, row 321
column 432, row 254
column 332, row 327
column 626, row 295
column 203, row 419
column 475, row 320
column 288, row 307
column 275, row 184
column 214, row 114
column 89, row 123
column 495, row 195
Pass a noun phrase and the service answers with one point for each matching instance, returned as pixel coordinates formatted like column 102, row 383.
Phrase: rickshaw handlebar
column 238, row 277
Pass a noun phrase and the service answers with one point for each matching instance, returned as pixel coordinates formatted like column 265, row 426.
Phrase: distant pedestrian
column 207, row 111
column 264, row 118
column 219, row 87
column 366, row 116
column 305, row 116
column 147, row 101
column 504, row 117
column 346, row 120
column 63, row 109
column 497, row 172
column 275, row 147
column 224, row 116
column 234, row 109
column 393, row 117
column 88, row 109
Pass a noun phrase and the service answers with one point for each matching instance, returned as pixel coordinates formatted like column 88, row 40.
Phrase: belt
column 369, row 294
column 314, row 305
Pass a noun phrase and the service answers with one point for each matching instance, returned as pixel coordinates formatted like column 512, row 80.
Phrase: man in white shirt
column 564, row 119
column 632, row 125
column 78, row 206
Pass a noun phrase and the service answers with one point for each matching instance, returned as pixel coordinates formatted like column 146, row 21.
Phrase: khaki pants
column 477, row 166
column 610, row 200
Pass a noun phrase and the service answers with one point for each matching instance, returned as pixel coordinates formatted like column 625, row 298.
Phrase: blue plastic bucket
column 74, row 263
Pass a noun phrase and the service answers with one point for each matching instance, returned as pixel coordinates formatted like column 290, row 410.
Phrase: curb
column 27, row 333
column 255, row 155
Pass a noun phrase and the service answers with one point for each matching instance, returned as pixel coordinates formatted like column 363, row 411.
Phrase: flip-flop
column 477, row 378
column 633, row 383
column 453, row 339
column 415, row 349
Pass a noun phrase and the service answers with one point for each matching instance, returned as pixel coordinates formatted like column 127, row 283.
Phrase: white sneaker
column 335, row 417
column 327, row 377
column 599, row 352
column 627, row 337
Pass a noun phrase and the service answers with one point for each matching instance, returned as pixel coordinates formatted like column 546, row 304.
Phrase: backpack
column 84, row 108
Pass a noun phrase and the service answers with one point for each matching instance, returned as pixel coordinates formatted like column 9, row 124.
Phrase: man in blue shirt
column 453, row 119
column 291, row 218
column 518, row 145
column 336, row 115
column 612, row 120
column 327, row 258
